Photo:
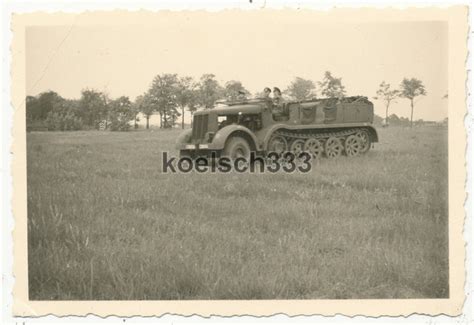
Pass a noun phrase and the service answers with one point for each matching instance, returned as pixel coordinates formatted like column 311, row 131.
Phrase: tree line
column 170, row 95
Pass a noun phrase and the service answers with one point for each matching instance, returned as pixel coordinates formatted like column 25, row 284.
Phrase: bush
column 63, row 121
column 119, row 125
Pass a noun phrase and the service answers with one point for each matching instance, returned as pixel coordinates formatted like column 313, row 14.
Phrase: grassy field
column 105, row 223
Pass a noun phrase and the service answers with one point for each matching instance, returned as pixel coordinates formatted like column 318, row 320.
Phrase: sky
column 258, row 51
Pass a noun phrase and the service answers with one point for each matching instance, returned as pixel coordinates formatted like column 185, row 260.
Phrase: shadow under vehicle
column 326, row 127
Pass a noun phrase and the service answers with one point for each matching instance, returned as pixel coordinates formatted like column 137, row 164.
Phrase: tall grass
column 105, row 223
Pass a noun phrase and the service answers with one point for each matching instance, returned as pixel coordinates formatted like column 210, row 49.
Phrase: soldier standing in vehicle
column 266, row 93
column 276, row 95
column 278, row 103
column 241, row 95
column 266, row 97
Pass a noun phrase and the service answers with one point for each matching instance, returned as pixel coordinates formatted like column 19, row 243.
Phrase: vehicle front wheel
column 237, row 147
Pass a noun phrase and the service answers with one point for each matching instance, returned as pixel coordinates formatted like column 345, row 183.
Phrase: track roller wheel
column 365, row 140
column 297, row 147
column 314, row 147
column 277, row 144
column 333, row 147
column 353, row 146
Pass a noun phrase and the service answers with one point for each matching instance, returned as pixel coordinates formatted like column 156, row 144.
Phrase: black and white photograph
column 248, row 156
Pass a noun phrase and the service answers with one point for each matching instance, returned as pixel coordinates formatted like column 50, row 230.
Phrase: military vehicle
column 327, row 127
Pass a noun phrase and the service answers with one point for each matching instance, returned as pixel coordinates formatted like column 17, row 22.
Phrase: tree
column 144, row 104
column 404, row 121
column 31, row 103
column 393, row 119
column 186, row 96
column 193, row 104
column 232, row 90
column 136, row 111
column 331, row 87
column 121, row 113
column 63, row 117
column 410, row 89
column 92, row 107
column 301, row 89
column 37, row 108
column 163, row 93
column 388, row 95
column 171, row 118
column 209, row 90
column 107, row 101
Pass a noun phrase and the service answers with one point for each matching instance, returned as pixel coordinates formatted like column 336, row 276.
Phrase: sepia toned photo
column 239, row 162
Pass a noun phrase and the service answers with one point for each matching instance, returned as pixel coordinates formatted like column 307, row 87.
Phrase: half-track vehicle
column 327, row 127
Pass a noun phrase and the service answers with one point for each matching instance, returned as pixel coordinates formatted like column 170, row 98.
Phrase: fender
column 219, row 140
column 183, row 138
column 374, row 135
column 270, row 132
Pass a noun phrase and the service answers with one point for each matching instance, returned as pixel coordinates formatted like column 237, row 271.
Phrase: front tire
column 237, row 147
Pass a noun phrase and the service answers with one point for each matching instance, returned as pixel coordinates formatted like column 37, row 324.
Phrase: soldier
column 266, row 97
column 241, row 95
column 276, row 94
column 278, row 103
column 266, row 93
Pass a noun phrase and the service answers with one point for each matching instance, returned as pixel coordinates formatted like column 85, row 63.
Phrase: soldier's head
column 276, row 92
column 267, row 91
